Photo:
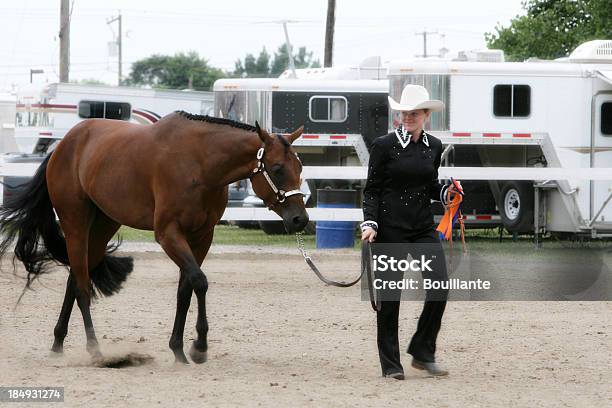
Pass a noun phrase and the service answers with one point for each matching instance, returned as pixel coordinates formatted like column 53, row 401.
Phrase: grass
column 131, row 234
column 227, row 235
column 477, row 240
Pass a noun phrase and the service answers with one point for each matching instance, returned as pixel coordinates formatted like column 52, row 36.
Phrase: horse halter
column 280, row 194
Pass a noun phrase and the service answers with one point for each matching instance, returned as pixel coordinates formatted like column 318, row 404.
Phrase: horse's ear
column 297, row 133
column 263, row 135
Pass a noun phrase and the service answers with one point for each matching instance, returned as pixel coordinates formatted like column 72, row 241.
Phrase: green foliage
column 90, row 81
column 552, row 28
column 225, row 235
column 254, row 68
column 180, row 71
column 264, row 67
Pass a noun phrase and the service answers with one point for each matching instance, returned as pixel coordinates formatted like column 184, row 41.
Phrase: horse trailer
column 44, row 115
column 534, row 114
column 501, row 119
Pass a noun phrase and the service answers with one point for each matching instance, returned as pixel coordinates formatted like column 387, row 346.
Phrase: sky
column 224, row 31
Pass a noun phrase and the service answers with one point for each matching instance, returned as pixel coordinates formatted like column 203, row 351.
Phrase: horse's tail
column 108, row 276
column 29, row 218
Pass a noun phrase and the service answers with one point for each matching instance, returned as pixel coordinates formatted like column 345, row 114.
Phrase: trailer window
column 328, row 109
column 116, row 110
column 606, row 118
column 107, row 110
column 512, row 101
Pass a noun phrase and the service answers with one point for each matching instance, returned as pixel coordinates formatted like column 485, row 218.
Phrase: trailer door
column 602, row 154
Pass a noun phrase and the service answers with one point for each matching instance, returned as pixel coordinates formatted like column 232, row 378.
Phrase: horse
column 170, row 177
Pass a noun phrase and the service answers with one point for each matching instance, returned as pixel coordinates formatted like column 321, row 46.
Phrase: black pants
column 423, row 343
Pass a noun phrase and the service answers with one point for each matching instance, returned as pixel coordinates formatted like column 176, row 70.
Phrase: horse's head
column 277, row 180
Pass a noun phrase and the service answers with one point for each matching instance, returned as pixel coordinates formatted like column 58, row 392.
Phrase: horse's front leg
column 176, row 246
column 200, row 345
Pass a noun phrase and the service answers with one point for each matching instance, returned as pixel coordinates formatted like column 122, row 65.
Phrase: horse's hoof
column 95, row 353
column 180, row 358
column 97, row 357
column 197, row 356
column 57, row 349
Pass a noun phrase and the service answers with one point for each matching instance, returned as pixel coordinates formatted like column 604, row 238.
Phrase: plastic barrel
column 336, row 234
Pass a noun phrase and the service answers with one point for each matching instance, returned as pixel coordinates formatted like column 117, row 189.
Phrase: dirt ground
column 278, row 337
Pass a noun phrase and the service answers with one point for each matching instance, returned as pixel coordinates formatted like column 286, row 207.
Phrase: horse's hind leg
column 183, row 300
column 76, row 223
column 101, row 231
column 61, row 328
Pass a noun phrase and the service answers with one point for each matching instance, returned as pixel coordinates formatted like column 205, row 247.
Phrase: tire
column 278, row 228
column 247, row 224
column 331, row 184
column 310, row 228
column 273, row 227
column 516, row 207
column 322, row 185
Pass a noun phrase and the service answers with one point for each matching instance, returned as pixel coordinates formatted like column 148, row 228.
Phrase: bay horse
column 170, row 177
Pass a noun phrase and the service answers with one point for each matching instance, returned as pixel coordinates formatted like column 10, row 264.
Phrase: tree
column 89, row 81
column 177, row 72
column 302, row 59
column 254, row 68
column 552, row 28
column 262, row 67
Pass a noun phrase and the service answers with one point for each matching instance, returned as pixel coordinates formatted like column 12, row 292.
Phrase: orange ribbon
column 446, row 223
column 452, row 213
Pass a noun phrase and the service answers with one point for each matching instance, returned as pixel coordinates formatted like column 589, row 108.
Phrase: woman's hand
column 453, row 190
column 368, row 234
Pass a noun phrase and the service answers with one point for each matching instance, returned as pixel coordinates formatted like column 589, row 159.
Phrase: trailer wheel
column 516, row 207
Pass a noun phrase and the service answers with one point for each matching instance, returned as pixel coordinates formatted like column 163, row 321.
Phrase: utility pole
column 424, row 34
column 289, row 49
column 329, row 33
column 64, row 36
column 119, row 46
column 287, row 44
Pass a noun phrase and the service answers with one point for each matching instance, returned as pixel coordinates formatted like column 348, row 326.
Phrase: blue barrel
column 336, row 234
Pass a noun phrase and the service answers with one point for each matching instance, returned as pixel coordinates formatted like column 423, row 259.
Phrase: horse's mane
column 217, row 121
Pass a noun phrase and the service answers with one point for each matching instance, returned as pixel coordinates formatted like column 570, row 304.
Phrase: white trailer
column 7, row 122
column 44, row 115
column 533, row 114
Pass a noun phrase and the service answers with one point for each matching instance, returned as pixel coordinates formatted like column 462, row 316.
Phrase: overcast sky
column 223, row 31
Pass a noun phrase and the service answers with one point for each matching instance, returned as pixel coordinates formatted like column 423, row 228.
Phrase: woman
column 402, row 181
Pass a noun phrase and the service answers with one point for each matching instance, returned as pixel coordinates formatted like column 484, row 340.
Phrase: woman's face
column 414, row 120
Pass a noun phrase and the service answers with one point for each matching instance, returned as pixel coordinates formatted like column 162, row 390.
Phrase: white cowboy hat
column 415, row 97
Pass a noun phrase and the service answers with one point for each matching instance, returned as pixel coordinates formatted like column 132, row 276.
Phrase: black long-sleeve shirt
column 402, row 181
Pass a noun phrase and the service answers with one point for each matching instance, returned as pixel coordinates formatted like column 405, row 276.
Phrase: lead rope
column 366, row 265
column 342, row 284
column 366, row 268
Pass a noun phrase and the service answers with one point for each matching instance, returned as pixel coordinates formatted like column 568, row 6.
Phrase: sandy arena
column 279, row 337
